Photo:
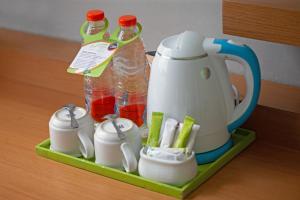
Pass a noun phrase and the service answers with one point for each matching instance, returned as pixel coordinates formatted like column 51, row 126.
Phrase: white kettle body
column 189, row 77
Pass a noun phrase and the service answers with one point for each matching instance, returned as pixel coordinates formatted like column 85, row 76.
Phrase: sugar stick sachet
column 184, row 133
column 154, row 131
column 191, row 143
column 168, row 133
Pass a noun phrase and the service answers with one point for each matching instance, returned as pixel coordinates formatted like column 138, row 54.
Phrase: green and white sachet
column 184, row 133
column 154, row 131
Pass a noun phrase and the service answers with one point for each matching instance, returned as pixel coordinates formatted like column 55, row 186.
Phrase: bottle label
column 134, row 112
column 91, row 57
column 102, row 106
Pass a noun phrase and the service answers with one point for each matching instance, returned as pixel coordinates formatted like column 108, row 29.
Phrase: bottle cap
column 95, row 15
column 127, row 20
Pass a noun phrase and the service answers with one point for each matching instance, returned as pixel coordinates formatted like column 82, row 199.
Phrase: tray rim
column 248, row 136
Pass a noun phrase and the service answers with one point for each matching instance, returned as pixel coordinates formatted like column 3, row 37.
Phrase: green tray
column 242, row 138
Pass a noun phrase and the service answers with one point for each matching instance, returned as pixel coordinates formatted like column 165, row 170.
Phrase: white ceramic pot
column 114, row 152
column 68, row 140
column 167, row 171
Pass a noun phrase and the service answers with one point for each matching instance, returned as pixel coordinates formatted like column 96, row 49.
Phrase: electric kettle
column 189, row 77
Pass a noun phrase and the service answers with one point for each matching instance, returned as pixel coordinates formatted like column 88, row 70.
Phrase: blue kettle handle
column 243, row 54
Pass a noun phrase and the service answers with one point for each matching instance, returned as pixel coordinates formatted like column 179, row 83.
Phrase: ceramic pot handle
column 246, row 57
column 129, row 160
column 85, row 145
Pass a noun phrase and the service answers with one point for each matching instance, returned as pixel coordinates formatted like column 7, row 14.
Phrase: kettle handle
column 244, row 55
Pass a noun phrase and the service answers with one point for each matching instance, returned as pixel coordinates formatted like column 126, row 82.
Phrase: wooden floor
column 34, row 83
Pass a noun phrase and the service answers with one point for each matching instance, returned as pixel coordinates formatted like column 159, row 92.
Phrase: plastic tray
column 242, row 138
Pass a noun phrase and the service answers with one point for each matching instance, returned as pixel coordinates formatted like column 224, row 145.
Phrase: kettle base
column 210, row 156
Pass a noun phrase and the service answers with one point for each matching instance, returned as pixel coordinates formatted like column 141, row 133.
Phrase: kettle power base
column 241, row 139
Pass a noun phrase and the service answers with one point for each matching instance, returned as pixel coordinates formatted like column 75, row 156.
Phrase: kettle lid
column 184, row 45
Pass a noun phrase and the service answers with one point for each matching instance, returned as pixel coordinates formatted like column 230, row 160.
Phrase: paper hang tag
column 95, row 55
column 92, row 58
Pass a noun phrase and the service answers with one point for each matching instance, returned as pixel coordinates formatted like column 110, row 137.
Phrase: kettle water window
column 205, row 73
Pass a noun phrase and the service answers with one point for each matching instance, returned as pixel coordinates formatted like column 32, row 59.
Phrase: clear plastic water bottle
column 99, row 91
column 129, row 69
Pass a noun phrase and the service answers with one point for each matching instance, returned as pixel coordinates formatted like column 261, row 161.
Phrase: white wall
column 160, row 18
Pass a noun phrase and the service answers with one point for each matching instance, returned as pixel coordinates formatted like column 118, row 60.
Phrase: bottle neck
column 95, row 27
column 127, row 32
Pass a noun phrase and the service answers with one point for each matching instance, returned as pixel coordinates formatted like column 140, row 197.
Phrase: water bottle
column 129, row 71
column 99, row 91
